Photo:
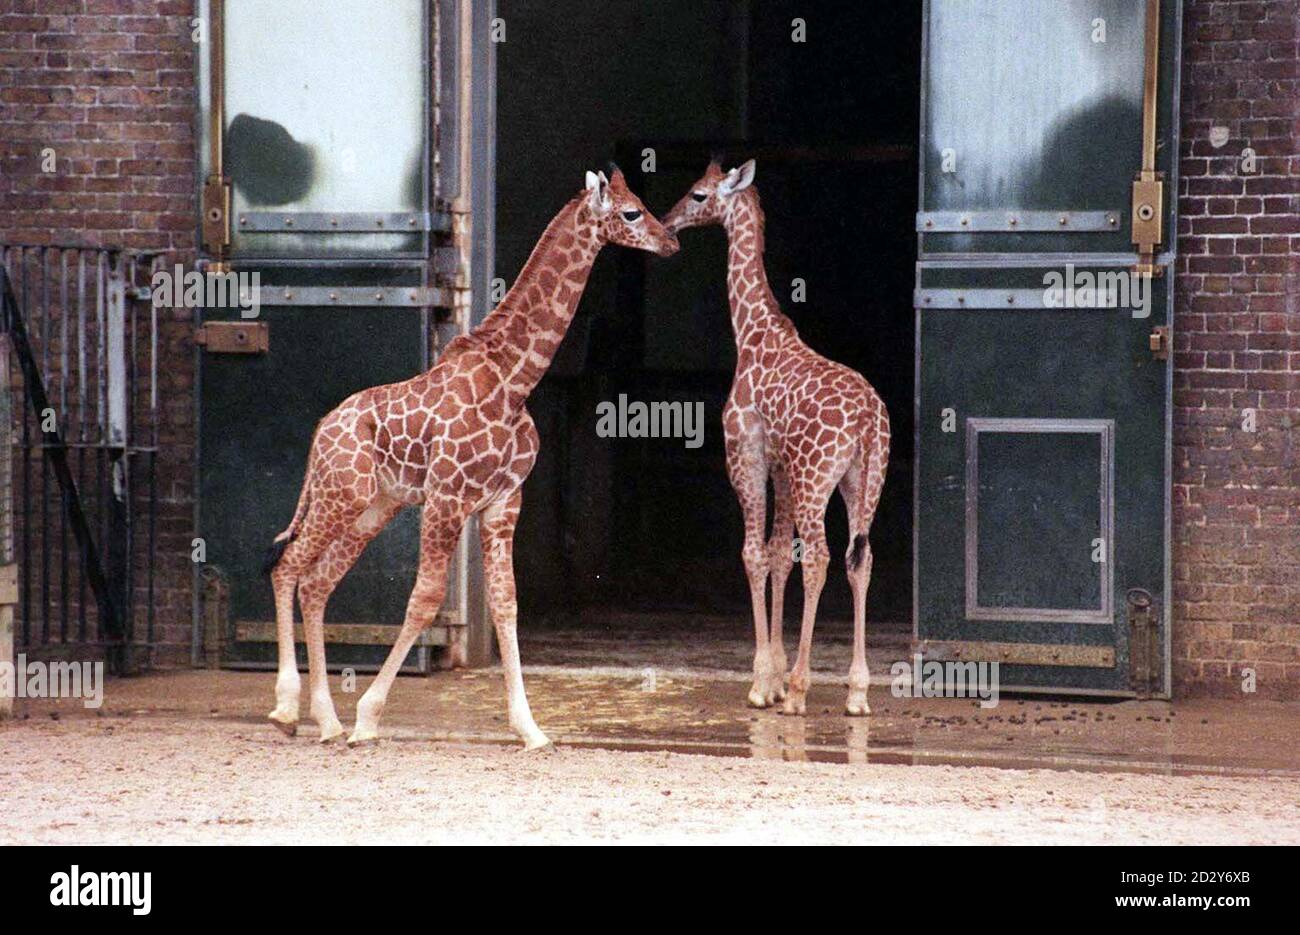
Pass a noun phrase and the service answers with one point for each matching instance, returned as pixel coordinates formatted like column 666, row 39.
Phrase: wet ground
column 186, row 757
column 633, row 706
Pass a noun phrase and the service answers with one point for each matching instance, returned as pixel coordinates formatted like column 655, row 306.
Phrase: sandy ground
column 185, row 758
column 166, row 781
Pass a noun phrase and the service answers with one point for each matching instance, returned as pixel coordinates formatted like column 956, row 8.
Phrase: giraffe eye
column 699, row 196
column 631, row 215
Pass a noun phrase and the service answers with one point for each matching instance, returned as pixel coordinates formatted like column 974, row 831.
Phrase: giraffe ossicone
column 456, row 441
column 809, row 424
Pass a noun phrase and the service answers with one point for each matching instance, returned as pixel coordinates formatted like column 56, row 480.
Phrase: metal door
column 322, row 173
column 1045, row 231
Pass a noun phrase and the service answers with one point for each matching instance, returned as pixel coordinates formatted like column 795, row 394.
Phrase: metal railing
column 84, row 403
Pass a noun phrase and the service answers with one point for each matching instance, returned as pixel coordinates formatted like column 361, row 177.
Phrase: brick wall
column 1237, row 354
column 108, row 85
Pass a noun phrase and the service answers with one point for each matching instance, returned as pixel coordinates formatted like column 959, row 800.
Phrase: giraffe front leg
column 747, row 470
column 496, row 532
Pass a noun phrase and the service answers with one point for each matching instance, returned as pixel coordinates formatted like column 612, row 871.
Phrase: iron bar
column 56, row 455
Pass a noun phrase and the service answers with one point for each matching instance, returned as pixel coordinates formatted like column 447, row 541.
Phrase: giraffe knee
column 426, row 598
column 754, row 555
column 815, row 559
column 780, row 554
column 313, row 592
column 859, row 554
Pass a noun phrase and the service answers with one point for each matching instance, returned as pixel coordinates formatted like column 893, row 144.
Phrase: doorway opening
column 626, row 535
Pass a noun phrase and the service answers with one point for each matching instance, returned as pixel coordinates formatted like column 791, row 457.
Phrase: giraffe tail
column 276, row 550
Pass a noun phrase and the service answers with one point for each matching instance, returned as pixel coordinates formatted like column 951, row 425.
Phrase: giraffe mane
column 501, row 314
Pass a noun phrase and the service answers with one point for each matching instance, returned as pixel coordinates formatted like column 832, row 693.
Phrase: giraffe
column 456, row 440
column 811, row 424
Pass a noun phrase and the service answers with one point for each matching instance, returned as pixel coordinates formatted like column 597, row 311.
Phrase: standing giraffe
column 810, row 423
column 456, row 439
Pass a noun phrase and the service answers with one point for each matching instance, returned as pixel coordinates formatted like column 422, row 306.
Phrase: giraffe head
column 709, row 200
column 620, row 217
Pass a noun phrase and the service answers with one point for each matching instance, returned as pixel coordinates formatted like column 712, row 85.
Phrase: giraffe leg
column 748, row 471
column 288, row 571
column 810, row 516
column 780, row 559
column 496, row 532
column 314, row 592
column 288, row 684
column 440, row 529
column 860, row 489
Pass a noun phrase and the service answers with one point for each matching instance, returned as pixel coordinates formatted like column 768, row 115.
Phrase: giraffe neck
column 526, row 328
column 753, row 306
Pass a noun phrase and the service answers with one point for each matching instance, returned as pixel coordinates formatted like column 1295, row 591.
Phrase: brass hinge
column 234, row 337
column 1158, row 341
column 216, row 216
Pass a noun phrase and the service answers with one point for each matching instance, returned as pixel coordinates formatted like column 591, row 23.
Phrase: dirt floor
column 645, row 756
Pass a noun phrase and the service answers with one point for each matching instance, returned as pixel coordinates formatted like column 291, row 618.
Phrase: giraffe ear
column 738, row 179
column 598, row 192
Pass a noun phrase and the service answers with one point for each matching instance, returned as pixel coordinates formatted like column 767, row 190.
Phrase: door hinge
column 1143, row 643
column 234, row 337
column 1158, row 341
column 216, row 216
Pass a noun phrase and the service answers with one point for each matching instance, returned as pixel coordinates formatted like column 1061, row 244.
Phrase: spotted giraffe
column 811, row 424
column 456, row 441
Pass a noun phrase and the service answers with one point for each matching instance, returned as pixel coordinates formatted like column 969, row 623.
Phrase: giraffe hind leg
column 314, row 591
column 860, row 489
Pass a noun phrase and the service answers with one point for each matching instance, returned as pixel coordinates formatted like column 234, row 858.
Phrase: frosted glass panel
column 325, row 113
column 1036, row 103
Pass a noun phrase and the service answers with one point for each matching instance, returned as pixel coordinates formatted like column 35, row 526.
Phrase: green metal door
column 323, row 175
column 1042, row 364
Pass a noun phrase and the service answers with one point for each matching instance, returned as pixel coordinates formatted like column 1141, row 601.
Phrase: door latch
column 234, row 337
column 1149, row 185
column 1158, row 341
column 1143, row 643
column 1148, row 219
column 216, row 216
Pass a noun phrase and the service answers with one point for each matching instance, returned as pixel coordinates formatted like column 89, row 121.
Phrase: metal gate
column 80, row 515
column 346, row 168
column 1045, row 231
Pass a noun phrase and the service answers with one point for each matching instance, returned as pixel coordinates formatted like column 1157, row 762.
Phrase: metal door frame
column 1096, row 260
column 460, row 191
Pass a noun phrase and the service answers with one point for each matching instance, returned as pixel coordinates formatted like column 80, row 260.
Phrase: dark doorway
column 618, row 526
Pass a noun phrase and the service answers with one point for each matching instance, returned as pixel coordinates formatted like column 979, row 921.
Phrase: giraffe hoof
column 759, row 699
column 356, row 742
column 329, row 736
column 794, row 706
column 857, row 709
column 545, row 749
column 286, row 727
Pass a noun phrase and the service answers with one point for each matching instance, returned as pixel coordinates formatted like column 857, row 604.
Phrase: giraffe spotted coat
column 455, row 441
column 810, row 424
